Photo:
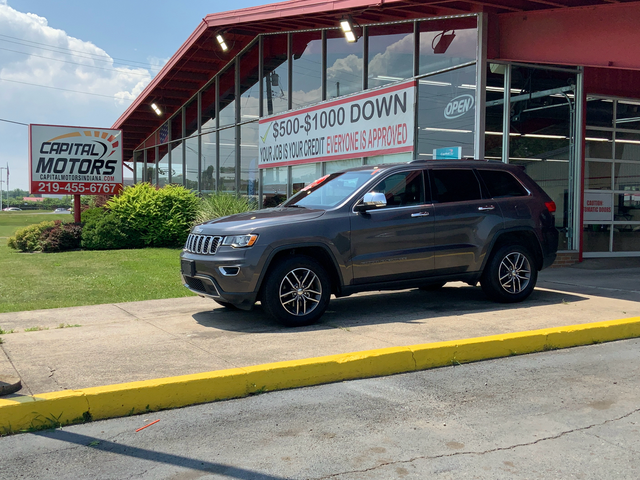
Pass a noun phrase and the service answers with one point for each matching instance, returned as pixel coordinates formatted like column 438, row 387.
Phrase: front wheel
column 510, row 275
column 297, row 291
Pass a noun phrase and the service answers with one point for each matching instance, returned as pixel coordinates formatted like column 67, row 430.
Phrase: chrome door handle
column 490, row 207
column 420, row 214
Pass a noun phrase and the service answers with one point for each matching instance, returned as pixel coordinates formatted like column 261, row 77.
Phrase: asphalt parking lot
column 119, row 343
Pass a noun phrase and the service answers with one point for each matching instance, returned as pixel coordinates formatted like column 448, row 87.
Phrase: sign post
column 74, row 161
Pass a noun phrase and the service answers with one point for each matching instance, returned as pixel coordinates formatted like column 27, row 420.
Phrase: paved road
column 564, row 414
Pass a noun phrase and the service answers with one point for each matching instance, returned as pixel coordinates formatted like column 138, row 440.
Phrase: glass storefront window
column 627, row 146
column 628, row 114
column 303, row 175
column 597, row 175
column 599, row 112
column 177, row 175
column 274, row 188
column 249, row 86
column 439, row 123
column 191, row 117
column 494, row 124
column 344, row 65
column 596, row 238
column 163, row 166
column 598, row 144
column 393, row 158
column 208, row 176
column 390, row 54
column 626, row 238
column 227, row 100
column 176, row 126
column 446, row 43
column 208, row 101
column 192, row 163
column 249, row 159
column 275, row 79
column 227, row 139
column 306, row 68
column 627, row 176
column 336, row 166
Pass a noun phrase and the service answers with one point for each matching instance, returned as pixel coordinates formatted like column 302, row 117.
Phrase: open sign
column 459, row 106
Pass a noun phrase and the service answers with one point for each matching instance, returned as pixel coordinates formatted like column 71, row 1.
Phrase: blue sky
column 108, row 50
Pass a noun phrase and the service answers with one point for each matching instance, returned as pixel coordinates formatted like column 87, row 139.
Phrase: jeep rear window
column 501, row 184
column 331, row 192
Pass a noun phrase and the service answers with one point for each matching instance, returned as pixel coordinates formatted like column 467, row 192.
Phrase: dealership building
column 263, row 101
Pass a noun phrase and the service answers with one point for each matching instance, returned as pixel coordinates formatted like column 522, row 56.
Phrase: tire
column 510, row 274
column 227, row 305
column 297, row 307
column 432, row 287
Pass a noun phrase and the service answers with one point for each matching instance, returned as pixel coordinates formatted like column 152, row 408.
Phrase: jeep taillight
column 551, row 206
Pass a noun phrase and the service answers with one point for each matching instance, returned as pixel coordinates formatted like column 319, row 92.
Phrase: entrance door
column 611, row 206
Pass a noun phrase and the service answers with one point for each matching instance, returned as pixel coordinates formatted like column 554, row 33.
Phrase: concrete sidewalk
column 117, row 343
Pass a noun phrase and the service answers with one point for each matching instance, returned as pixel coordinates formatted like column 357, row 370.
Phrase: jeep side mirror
column 371, row 201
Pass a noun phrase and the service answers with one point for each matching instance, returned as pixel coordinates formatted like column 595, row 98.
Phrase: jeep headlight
column 240, row 241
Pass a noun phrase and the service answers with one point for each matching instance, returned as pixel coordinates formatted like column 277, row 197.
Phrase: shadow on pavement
column 158, row 457
column 404, row 306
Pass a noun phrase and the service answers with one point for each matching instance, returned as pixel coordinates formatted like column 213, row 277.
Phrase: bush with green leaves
column 27, row 239
column 92, row 214
column 159, row 217
column 218, row 205
column 108, row 232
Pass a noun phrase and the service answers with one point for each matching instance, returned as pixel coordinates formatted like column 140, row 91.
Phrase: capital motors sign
column 458, row 106
column 74, row 160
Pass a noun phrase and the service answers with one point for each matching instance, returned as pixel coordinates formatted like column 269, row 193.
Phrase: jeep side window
column 455, row 185
column 402, row 189
column 502, row 184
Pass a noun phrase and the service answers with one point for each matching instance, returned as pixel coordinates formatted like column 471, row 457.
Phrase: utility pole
column 1, row 182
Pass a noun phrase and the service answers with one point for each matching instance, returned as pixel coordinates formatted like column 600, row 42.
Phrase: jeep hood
column 249, row 222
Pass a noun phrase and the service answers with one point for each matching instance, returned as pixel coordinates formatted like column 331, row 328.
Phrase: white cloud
column 34, row 53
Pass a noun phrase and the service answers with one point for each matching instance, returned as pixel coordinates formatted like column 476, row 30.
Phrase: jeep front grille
column 203, row 244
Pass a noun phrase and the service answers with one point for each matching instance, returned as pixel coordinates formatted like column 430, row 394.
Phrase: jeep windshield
column 331, row 190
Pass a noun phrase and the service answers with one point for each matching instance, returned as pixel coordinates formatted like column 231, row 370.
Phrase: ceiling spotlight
column 222, row 43
column 347, row 27
column 156, row 109
column 443, row 42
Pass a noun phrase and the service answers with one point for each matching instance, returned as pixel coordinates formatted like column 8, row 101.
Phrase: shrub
column 92, row 214
column 161, row 218
column 108, row 232
column 61, row 237
column 27, row 239
column 222, row 204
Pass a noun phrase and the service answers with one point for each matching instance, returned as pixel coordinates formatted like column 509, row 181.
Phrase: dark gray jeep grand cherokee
column 418, row 224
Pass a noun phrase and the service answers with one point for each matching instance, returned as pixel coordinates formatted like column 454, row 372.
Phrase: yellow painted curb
column 18, row 413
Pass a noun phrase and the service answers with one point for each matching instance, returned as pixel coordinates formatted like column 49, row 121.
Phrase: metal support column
column 481, row 87
column 506, row 114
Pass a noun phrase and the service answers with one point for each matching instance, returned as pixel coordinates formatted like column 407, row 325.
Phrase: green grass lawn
column 32, row 281
column 11, row 221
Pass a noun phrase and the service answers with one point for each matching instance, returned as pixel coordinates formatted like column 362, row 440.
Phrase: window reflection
column 306, row 68
column 344, row 65
column 462, row 48
column 275, row 74
column 390, row 54
column 446, row 112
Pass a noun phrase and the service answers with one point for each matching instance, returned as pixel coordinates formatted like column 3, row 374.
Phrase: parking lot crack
column 483, row 452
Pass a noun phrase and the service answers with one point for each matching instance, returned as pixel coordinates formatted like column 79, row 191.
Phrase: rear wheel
column 297, row 291
column 510, row 275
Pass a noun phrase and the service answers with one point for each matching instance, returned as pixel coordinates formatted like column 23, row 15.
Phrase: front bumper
column 229, row 275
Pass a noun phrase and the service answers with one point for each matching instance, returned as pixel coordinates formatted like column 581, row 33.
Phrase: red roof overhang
column 199, row 58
